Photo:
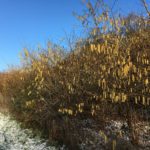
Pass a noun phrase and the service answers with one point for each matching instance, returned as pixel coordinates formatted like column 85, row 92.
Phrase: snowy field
column 12, row 137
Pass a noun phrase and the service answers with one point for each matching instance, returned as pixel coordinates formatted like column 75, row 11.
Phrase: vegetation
column 106, row 76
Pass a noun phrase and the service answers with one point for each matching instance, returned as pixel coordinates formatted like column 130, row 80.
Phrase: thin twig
column 146, row 7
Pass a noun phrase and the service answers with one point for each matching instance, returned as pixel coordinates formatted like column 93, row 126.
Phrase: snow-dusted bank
column 12, row 137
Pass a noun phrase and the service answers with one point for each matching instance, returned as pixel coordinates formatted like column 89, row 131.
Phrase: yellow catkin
column 114, row 144
column 143, row 100
column 146, row 81
column 136, row 100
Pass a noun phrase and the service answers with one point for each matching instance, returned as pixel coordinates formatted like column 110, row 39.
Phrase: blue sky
column 28, row 23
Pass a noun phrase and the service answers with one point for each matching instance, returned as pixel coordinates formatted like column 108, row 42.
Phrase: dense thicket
column 106, row 76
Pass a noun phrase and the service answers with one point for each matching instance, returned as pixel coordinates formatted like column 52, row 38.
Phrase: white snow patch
column 12, row 137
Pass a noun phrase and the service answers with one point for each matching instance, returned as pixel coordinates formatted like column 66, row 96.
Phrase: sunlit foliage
column 109, row 68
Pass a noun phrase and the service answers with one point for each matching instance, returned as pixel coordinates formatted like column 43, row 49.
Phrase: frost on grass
column 12, row 137
column 115, row 132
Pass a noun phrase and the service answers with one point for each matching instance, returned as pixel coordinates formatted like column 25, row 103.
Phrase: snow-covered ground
column 12, row 137
column 117, row 132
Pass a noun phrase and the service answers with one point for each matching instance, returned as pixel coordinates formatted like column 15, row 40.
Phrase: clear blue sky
column 26, row 23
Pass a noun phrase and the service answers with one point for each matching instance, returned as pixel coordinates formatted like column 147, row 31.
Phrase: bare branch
column 146, row 7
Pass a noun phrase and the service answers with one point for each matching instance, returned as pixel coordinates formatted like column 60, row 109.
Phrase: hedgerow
column 106, row 75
